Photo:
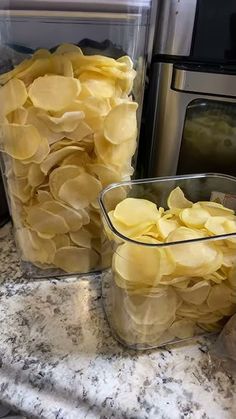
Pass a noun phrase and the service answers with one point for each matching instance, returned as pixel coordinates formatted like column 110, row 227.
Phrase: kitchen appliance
column 190, row 118
column 78, row 71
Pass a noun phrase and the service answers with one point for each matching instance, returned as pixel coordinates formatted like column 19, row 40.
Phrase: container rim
column 160, row 179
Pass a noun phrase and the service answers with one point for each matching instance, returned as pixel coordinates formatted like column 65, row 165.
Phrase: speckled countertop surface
column 59, row 360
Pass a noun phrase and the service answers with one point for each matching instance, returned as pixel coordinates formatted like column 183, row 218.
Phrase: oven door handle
column 205, row 83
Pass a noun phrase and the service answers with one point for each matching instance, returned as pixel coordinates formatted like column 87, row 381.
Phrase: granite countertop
column 59, row 360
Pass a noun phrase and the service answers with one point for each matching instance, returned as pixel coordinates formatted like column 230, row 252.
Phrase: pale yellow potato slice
column 67, row 122
column 215, row 209
column 19, row 169
column 78, row 158
column 95, row 107
column 35, row 176
column 19, row 116
column 80, row 191
column 167, row 263
column 220, row 225
column 96, row 124
column 43, row 129
column 41, row 153
column 166, row 226
column 177, row 200
column 151, row 310
column 210, row 318
column 188, row 311
column 12, row 96
column 65, row 142
column 5, row 77
column 127, row 61
column 196, row 258
column 60, row 175
column 105, row 174
column 115, row 155
column 97, row 85
column 83, row 63
column 121, row 123
column 81, row 238
column 61, row 240
column 75, row 260
column 123, row 78
column 43, row 196
column 53, row 93
column 217, row 276
column 195, row 294
column 126, row 84
column 195, row 217
column 72, row 218
column 177, row 282
column 33, row 248
column 219, row 297
column 54, row 158
column 46, row 222
column 94, row 226
column 19, row 141
column 20, row 188
column 131, row 232
column 134, row 211
column 39, row 66
column 42, row 53
column 81, row 131
column 229, row 256
column 66, row 48
column 183, row 328
column 136, row 263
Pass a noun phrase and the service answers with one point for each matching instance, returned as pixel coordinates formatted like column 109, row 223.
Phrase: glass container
column 72, row 80
column 161, row 288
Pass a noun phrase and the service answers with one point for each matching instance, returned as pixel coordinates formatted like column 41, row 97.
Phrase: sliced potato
column 67, row 122
column 12, row 96
column 195, row 294
column 53, row 93
column 80, row 191
column 54, row 158
column 75, row 260
column 81, row 238
column 43, row 221
column 19, row 141
column 121, row 123
column 35, row 176
column 72, row 218
column 134, row 211
column 177, row 200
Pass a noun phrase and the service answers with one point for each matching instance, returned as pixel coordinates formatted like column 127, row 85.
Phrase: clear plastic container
column 160, row 291
column 72, row 81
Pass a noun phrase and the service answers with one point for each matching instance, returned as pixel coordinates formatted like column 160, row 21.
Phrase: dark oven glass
column 209, row 138
column 214, row 37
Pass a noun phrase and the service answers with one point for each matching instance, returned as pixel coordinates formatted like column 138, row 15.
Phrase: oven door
column 194, row 127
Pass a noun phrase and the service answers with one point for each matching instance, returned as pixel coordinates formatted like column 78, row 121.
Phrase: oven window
column 209, row 138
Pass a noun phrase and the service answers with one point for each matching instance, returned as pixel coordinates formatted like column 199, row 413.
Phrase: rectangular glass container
column 72, row 78
column 160, row 291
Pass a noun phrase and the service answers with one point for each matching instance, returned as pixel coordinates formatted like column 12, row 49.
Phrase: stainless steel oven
column 190, row 119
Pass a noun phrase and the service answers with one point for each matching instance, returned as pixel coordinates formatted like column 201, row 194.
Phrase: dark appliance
column 190, row 118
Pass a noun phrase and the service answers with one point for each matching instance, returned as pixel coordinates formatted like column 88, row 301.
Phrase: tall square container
column 72, row 81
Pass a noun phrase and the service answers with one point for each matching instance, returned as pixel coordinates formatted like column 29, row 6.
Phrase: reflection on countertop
column 59, row 360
